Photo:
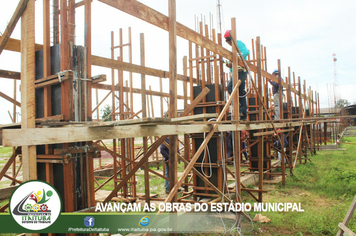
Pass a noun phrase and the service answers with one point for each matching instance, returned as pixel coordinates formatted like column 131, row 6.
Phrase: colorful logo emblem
column 35, row 205
column 144, row 221
column 89, row 221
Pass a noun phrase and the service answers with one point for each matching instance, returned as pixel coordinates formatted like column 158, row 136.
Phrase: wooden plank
column 3, row 208
column 10, row 74
column 38, row 136
column 3, row 95
column 272, row 132
column 14, row 19
column 194, row 117
column 51, row 80
column 346, row 230
column 134, row 90
column 172, row 112
column 27, row 87
column 126, row 66
column 348, row 216
column 260, row 117
column 9, row 162
column 15, row 45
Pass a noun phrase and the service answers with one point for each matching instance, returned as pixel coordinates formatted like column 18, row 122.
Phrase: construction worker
column 244, row 137
column 275, row 91
column 242, row 75
column 165, row 153
column 279, row 146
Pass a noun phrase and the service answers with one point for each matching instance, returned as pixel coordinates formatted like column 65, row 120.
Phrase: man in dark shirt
column 275, row 91
column 165, row 153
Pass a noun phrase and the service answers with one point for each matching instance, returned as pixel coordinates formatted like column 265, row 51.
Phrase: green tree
column 342, row 103
column 107, row 113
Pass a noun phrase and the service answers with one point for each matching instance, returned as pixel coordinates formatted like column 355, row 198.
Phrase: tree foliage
column 342, row 103
column 107, row 113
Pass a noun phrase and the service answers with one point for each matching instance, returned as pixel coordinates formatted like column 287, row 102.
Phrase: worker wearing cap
column 242, row 74
column 275, row 91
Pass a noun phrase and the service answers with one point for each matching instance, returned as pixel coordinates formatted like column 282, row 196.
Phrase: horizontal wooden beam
column 272, row 132
column 15, row 45
column 10, row 74
column 68, row 134
column 125, row 66
column 134, row 90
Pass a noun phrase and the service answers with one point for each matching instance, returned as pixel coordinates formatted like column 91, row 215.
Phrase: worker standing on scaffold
column 242, row 75
column 275, row 91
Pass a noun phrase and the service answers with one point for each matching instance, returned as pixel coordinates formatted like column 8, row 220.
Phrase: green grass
column 5, row 151
column 325, row 188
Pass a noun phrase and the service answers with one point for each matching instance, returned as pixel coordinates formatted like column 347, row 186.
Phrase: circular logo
column 144, row 221
column 35, row 205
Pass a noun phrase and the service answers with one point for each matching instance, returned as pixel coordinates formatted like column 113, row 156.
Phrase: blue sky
column 303, row 34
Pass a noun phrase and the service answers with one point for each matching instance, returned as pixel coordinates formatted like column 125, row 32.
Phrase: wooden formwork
column 76, row 130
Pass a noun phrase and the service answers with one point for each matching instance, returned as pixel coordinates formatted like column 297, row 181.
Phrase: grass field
column 325, row 188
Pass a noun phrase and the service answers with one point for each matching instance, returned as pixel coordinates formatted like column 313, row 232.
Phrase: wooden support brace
column 14, row 19
column 9, row 162
column 201, row 148
column 272, row 132
column 347, row 218
column 154, row 146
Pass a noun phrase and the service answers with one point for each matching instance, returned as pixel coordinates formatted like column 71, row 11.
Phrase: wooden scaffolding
column 59, row 139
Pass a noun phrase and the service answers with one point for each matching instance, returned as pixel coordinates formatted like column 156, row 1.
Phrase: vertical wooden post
column 28, row 87
column 71, row 21
column 260, row 117
column 113, row 107
column 319, row 126
column 47, row 72
column 236, row 109
column 144, row 114
column 197, row 65
column 185, row 83
column 55, row 22
column 87, row 44
column 173, row 92
column 202, row 54
column 186, row 136
column 301, row 112
column 132, row 112
column 306, row 133
column 121, row 108
column 310, row 95
column 218, row 109
column 208, row 76
column 281, row 115
column 289, row 102
column 221, row 64
column 66, row 98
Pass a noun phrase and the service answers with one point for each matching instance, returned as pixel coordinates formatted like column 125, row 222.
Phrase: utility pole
column 336, row 81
